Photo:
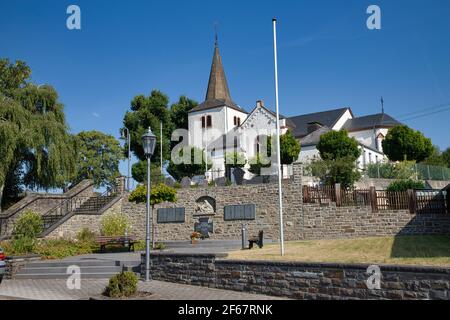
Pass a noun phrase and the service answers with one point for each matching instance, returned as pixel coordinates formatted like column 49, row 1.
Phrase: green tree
column 342, row 170
column 139, row 172
column 435, row 158
column 257, row 163
column 289, row 148
column 98, row 157
column 194, row 166
column 335, row 145
column 36, row 150
column 235, row 159
column 179, row 112
column 148, row 111
column 403, row 143
column 446, row 156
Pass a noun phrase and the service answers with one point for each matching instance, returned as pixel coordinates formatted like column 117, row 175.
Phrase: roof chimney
column 313, row 126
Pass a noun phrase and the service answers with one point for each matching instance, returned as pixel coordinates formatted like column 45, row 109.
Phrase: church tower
column 218, row 114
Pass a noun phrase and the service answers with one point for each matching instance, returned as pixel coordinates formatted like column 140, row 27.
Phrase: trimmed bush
column 405, row 185
column 159, row 194
column 115, row 224
column 122, row 285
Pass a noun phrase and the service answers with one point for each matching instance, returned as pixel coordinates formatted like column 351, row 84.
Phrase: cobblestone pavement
column 57, row 290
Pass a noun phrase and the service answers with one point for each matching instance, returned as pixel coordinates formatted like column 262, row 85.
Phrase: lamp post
column 148, row 144
column 126, row 135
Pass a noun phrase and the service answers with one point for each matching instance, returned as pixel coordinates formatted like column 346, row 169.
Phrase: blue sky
column 327, row 56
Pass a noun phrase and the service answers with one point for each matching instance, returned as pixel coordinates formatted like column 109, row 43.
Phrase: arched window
column 203, row 122
column 208, row 121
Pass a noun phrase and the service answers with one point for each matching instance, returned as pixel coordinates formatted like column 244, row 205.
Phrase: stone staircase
column 89, row 268
column 94, row 204
column 90, row 206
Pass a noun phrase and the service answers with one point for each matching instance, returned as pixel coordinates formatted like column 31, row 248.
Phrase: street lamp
column 126, row 136
column 148, row 144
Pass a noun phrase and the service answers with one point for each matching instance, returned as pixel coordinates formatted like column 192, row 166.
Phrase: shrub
column 86, row 235
column 122, row 285
column 62, row 248
column 115, row 224
column 23, row 245
column 405, row 185
column 160, row 193
column 29, row 224
column 26, row 230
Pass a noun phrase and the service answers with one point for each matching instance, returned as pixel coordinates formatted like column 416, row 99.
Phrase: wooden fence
column 416, row 201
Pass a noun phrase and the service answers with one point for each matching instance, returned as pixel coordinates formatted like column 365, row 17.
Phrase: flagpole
column 280, row 194
column 161, row 145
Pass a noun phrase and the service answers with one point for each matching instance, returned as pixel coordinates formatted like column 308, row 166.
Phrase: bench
column 259, row 240
column 126, row 241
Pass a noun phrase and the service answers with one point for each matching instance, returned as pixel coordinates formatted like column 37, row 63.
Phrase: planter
column 194, row 241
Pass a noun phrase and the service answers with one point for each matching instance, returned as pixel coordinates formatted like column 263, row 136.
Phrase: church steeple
column 217, row 85
column 218, row 93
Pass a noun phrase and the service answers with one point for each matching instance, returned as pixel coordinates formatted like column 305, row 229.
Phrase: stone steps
column 89, row 269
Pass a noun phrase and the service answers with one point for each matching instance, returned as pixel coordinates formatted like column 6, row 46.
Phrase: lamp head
column 148, row 143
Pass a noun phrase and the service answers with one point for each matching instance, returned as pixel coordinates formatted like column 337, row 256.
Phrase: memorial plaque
column 204, row 227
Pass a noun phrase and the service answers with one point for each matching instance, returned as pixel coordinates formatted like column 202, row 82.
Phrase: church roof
column 218, row 93
column 371, row 121
column 325, row 118
column 313, row 138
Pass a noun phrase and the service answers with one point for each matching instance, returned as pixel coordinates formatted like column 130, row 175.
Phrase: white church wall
column 367, row 137
column 199, row 136
column 307, row 154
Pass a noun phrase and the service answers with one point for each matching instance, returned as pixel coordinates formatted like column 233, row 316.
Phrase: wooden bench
column 259, row 240
column 126, row 241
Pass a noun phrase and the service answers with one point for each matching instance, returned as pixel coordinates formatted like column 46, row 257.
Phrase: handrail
column 68, row 207
column 37, row 197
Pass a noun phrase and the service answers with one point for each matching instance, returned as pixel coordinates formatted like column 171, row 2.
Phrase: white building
column 219, row 125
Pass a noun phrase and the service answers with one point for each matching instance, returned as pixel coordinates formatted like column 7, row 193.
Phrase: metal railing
column 417, row 171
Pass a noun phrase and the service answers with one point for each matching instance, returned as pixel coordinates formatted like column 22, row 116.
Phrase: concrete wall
column 300, row 280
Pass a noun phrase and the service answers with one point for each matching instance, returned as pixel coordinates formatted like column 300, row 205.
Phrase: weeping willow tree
column 36, row 150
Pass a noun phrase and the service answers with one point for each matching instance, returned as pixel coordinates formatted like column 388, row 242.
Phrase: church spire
column 217, row 85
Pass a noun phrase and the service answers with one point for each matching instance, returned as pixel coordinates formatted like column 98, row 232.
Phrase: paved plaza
column 57, row 290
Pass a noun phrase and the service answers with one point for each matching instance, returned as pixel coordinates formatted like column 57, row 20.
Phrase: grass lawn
column 417, row 250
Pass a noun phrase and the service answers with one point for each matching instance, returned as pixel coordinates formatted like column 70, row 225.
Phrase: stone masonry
column 301, row 221
column 310, row 281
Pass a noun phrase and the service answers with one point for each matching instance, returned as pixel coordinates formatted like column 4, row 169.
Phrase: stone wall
column 264, row 196
column 331, row 222
column 300, row 280
column 75, row 223
column 44, row 202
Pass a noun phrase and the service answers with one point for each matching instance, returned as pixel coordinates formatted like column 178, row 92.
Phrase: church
column 219, row 126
